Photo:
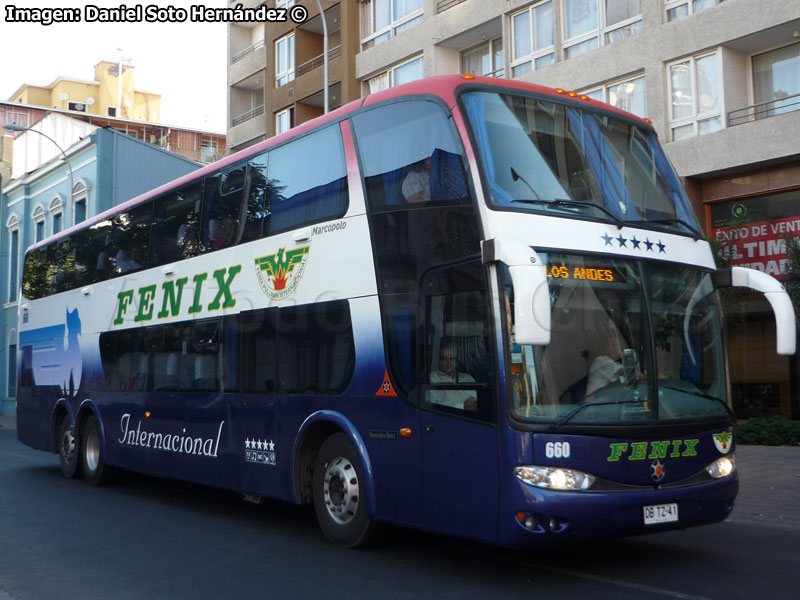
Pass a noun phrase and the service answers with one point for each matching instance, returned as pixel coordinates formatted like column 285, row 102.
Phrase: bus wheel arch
column 66, row 440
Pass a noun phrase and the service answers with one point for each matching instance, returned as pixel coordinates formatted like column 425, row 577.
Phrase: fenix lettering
column 172, row 297
column 664, row 449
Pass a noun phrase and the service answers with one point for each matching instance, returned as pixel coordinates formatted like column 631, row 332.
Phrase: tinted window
column 259, row 343
column 34, row 276
column 316, row 349
column 130, row 239
column 410, row 154
column 176, row 223
column 224, row 196
column 307, row 181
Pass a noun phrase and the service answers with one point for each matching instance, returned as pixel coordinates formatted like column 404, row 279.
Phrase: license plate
column 660, row 513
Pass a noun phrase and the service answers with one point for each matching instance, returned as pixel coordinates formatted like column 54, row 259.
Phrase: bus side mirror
column 531, row 291
column 785, row 323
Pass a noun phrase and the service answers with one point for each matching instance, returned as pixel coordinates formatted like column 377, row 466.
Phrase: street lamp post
column 15, row 127
column 325, row 55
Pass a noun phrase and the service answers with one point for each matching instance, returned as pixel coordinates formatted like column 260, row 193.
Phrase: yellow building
column 105, row 96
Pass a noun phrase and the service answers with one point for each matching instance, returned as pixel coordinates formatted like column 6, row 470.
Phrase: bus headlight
column 554, row 478
column 722, row 467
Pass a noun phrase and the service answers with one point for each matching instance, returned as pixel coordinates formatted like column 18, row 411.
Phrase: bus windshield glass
column 540, row 155
column 620, row 331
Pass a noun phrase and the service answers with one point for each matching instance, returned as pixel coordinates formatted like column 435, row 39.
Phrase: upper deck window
column 539, row 155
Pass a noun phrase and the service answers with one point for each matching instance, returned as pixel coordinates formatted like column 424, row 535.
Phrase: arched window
column 38, row 223
column 80, row 201
column 13, row 256
column 57, row 211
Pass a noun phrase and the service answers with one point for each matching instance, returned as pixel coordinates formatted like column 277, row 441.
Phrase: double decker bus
column 467, row 305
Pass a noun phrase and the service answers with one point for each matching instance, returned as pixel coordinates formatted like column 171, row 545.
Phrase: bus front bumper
column 537, row 516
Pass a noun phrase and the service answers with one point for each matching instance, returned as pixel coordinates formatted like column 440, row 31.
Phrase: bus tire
column 339, row 500
column 93, row 462
column 68, row 449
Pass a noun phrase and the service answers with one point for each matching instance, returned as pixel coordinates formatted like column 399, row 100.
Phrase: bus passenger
column 446, row 373
column 606, row 368
column 417, row 182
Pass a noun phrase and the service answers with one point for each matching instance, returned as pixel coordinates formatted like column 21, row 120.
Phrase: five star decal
column 635, row 243
column 259, row 451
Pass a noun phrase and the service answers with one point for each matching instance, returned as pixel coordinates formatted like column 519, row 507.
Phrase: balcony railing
column 443, row 5
column 317, row 61
column 763, row 110
column 250, row 114
column 247, row 51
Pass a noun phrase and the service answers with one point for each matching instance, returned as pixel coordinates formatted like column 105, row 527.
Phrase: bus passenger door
column 459, row 449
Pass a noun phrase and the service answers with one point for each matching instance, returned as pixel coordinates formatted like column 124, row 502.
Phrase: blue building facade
column 108, row 168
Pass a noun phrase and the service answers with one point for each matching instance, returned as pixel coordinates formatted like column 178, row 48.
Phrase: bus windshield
column 540, row 155
column 620, row 330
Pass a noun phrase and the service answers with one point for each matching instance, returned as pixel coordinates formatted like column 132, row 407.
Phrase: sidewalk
column 769, row 484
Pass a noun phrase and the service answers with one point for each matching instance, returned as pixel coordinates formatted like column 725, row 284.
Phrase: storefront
column 756, row 229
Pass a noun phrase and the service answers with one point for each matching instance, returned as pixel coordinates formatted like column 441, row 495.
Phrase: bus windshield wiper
column 697, row 234
column 700, row 395
column 564, row 202
column 580, row 407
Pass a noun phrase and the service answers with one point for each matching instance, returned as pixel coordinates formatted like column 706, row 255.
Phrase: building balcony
column 764, row 110
column 247, row 62
column 443, row 5
column 247, row 126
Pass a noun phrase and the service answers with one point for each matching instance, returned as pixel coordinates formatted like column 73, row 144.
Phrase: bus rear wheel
column 94, row 466
column 68, row 449
column 339, row 500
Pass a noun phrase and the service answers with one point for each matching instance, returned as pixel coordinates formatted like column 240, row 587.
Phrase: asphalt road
column 145, row 537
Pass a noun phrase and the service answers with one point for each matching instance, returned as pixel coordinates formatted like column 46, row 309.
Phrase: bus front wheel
column 68, row 449
column 338, row 494
column 95, row 469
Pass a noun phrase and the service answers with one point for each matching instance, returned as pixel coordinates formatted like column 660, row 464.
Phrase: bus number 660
column 556, row 449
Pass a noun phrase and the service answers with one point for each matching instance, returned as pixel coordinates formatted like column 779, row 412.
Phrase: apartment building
column 275, row 70
column 719, row 79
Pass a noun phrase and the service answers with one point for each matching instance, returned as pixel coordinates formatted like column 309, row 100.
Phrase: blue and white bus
column 466, row 305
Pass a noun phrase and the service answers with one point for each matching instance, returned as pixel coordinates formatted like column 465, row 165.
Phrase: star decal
column 622, row 241
column 649, row 244
column 661, row 247
column 607, row 238
column 635, row 242
column 247, row 444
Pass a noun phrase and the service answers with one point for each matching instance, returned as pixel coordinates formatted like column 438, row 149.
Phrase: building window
column 382, row 19
column 38, row 223
column 284, row 120
column 112, row 111
column 532, row 38
column 80, row 198
column 12, row 370
column 57, row 210
column 208, row 151
column 776, row 80
column 284, row 3
column 486, row 59
column 284, row 60
column 629, row 94
column 403, row 73
column 696, row 105
column 13, row 257
column 590, row 24
column 76, row 106
column 683, row 8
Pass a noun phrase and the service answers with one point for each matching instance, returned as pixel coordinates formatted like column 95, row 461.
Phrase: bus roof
column 444, row 86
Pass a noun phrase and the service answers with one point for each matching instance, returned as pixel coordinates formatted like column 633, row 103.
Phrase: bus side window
column 258, row 196
column 457, row 361
column 175, row 234
column 299, row 195
column 222, row 210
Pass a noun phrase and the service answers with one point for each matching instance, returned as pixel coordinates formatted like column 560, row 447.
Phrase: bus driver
column 446, row 373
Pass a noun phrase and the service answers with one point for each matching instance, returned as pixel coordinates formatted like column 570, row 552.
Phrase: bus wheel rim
column 68, row 450
column 340, row 490
column 93, row 450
